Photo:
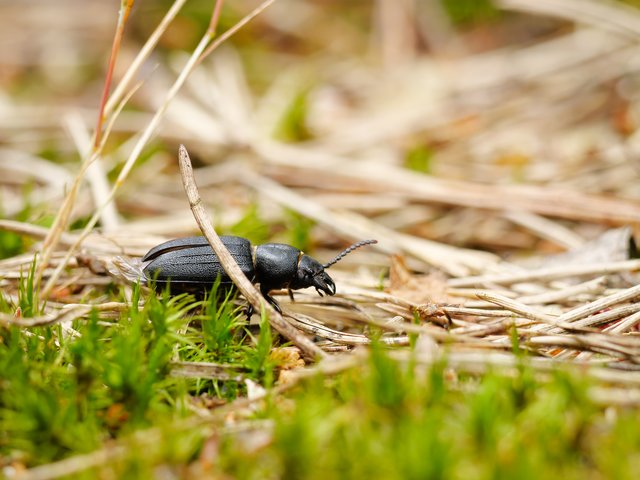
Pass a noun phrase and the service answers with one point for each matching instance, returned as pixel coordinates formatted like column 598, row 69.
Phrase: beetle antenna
column 348, row 251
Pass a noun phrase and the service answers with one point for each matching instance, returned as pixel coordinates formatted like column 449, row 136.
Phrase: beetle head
column 311, row 274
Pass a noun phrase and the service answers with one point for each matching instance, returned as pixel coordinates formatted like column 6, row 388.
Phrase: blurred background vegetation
column 456, row 89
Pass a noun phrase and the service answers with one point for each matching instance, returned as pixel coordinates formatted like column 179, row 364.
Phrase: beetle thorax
column 276, row 265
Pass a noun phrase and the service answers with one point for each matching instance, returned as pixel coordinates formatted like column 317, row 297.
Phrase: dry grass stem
column 231, row 267
column 119, row 92
column 207, row 370
column 198, row 54
column 600, row 304
column 549, row 273
column 620, row 18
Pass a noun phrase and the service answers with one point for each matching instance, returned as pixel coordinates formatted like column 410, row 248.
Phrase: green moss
column 292, row 126
column 299, row 230
column 464, row 12
column 251, row 226
column 419, row 159
column 62, row 395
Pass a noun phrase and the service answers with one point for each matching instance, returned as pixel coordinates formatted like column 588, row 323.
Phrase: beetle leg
column 248, row 311
column 271, row 300
column 273, row 303
column 290, row 294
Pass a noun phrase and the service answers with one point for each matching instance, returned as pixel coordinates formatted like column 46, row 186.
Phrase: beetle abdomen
column 190, row 264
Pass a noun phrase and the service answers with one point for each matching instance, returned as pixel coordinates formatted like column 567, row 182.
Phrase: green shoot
column 257, row 355
column 28, row 299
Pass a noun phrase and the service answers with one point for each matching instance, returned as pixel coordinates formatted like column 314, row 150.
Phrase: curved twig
column 231, row 267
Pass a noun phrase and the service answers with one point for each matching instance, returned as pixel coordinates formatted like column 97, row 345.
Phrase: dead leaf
column 419, row 289
column 287, row 358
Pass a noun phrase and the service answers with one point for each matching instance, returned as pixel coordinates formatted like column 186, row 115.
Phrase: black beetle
column 190, row 265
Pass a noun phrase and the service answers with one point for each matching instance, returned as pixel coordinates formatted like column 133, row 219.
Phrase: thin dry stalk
column 200, row 52
column 547, row 274
column 600, row 304
column 76, row 464
column 231, row 267
column 546, row 229
column 527, row 312
column 594, row 343
column 123, row 15
column 607, row 316
column 33, row 231
column 11, row 320
column 618, row 17
column 213, row 371
column 95, row 172
column 590, row 287
column 234, row 29
column 145, row 51
column 62, row 218
column 65, row 315
column 625, row 325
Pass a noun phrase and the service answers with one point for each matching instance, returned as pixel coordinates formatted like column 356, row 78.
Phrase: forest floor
column 491, row 149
